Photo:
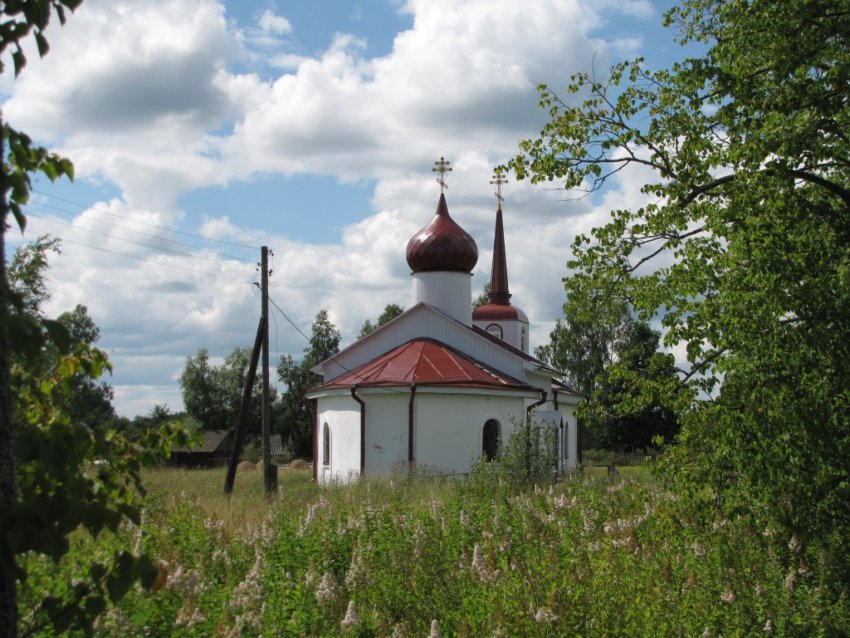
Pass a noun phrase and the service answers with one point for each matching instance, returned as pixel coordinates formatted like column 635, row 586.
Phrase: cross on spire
column 498, row 180
column 442, row 167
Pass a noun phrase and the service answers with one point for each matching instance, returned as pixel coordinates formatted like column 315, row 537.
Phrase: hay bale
column 299, row 464
column 245, row 465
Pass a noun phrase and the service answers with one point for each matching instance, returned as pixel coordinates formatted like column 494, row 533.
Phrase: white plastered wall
column 386, row 430
column 450, row 292
column 342, row 414
column 449, row 428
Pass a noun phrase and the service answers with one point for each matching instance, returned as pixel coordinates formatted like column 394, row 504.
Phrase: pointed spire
column 499, row 293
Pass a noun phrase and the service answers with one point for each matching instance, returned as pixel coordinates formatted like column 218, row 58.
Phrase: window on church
column 523, row 341
column 490, row 439
column 326, row 445
column 495, row 330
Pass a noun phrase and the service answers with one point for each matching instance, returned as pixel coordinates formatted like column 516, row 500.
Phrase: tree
column 483, row 298
column 200, row 394
column 73, row 469
column 297, row 377
column 626, row 410
column 583, row 344
column 391, row 311
column 742, row 251
column 19, row 19
column 212, row 394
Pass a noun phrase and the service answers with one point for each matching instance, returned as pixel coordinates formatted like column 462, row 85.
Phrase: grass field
column 405, row 557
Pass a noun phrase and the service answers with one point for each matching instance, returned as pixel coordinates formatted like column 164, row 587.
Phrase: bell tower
column 498, row 317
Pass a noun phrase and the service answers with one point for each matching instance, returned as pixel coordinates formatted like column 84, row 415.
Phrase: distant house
column 214, row 450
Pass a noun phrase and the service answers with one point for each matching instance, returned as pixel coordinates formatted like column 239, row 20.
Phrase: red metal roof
column 442, row 245
column 425, row 362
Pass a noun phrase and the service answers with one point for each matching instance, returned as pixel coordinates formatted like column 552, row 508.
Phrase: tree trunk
column 8, row 588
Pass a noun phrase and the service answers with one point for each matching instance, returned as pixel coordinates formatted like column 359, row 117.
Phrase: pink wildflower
column 327, row 588
column 350, row 619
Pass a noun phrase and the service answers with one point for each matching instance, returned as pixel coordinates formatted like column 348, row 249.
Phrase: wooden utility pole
column 269, row 470
column 244, row 407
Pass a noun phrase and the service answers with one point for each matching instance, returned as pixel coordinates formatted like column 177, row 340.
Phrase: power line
column 138, row 243
column 292, row 323
column 138, row 232
column 173, row 230
column 158, row 263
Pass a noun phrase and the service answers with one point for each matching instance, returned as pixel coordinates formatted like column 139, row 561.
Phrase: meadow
column 584, row 556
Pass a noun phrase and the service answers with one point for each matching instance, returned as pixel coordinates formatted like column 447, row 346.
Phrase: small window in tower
column 326, row 445
column 495, row 330
column 523, row 342
column 490, row 439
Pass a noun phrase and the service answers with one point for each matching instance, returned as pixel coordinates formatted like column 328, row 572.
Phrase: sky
column 201, row 130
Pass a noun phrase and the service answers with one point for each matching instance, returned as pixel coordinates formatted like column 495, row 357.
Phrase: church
column 441, row 384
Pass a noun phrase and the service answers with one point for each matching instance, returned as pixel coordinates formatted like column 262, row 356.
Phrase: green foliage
column 627, row 410
column 583, row 344
column 581, row 557
column 212, row 394
column 742, row 249
column 528, row 458
column 298, row 378
column 483, row 298
column 391, row 311
column 73, row 471
column 71, row 475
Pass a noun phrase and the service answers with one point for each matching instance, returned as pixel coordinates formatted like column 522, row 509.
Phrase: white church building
column 441, row 384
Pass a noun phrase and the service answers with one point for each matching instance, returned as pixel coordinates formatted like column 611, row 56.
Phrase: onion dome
column 442, row 245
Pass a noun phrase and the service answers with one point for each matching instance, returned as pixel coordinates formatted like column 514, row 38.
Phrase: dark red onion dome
column 442, row 245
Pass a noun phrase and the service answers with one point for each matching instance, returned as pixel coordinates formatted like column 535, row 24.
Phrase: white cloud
column 273, row 23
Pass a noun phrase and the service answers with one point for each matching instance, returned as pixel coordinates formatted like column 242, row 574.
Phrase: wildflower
column 768, row 626
column 327, row 588
column 544, row 615
column 435, row 630
column 350, row 619
column 791, row 580
column 479, row 567
column 794, row 543
column 728, row 596
column 188, row 616
column 357, row 570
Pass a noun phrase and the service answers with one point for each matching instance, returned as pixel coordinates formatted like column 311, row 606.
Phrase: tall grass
column 406, row 557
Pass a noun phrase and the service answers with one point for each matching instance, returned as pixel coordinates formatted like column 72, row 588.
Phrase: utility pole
column 269, row 470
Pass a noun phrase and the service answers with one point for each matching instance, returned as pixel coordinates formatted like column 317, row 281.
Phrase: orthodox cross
column 498, row 180
column 442, row 167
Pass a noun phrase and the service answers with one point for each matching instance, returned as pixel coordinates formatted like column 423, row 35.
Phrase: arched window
column 495, row 330
column 490, row 439
column 326, row 445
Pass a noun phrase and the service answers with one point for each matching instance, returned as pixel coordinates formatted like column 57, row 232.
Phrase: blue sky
column 201, row 130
